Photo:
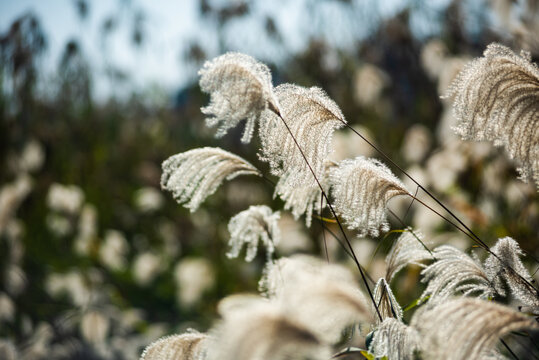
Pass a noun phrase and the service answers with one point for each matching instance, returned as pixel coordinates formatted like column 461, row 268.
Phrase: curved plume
column 406, row 250
column 194, row 175
column 258, row 223
column 395, row 340
column 387, row 304
column 312, row 118
column 261, row 331
column 303, row 199
column 240, row 88
column 471, row 328
column 497, row 99
column 188, row 346
column 323, row 297
column 452, row 272
column 508, row 256
column 361, row 188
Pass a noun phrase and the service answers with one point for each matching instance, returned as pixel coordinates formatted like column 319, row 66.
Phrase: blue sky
column 170, row 25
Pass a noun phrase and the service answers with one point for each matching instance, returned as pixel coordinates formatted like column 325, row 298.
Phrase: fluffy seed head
column 466, row 328
column 455, row 272
column 361, row 188
column 407, row 249
column 186, row 346
column 258, row 223
column 261, row 331
column 194, row 175
column 312, row 117
column 395, row 340
column 497, row 99
column 240, row 89
column 386, row 302
column 323, row 297
column 303, row 199
column 506, row 265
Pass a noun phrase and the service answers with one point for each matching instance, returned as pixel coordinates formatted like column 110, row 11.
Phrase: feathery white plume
column 361, row 188
column 394, row 340
column 237, row 302
column 302, row 199
column 240, row 89
column 312, row 117
column 497, row 268
column 406, row 250
column 386, row 302
column 322, row 297
column 188, row 346
column 452, row 272
column 497, row 99
column 258, row 223
column 261, row 331
column 288, row 271
column 194, row 175
column 466, row 328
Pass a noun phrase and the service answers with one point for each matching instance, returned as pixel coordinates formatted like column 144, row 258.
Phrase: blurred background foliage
column 96, row 262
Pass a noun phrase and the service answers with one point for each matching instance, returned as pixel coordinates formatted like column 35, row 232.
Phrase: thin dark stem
column 528, row 349
column 336, row 238
column 325, row 245
column 417, row 183
column 323, row 232
column 411, row 203
column 469, row 233
column 532, row 341
column 484, row 246
column 509, row 349
column 268, row 180
column 412, row 232
column 334, row 215
column 340, row 242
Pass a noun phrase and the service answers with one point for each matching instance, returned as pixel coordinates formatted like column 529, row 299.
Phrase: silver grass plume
column 497, row 268
column 455, row 272
column 240, row 89
column 194, row 175
column 312, row 118
column 406, row 250
column 303, row 199
column 395, row 340
column 465, row 328
column 237, row 302
column 322, row 297
column 256, row 224
column 188, row 346
column 361, row 188
column 497, row 99
column 287, row 271
column 386, row 302
column 261, row 331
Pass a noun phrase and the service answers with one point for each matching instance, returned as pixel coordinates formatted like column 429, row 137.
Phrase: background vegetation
column 169, row 269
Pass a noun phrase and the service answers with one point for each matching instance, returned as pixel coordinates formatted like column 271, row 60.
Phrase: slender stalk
column 413, row 233
column 469, row 232
column 529, row 285
column 411, row 203
column 509, row 349
column 417, row 183
column 484, row 246
column 323, row 232
column 334, row 214
column 340, row 242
